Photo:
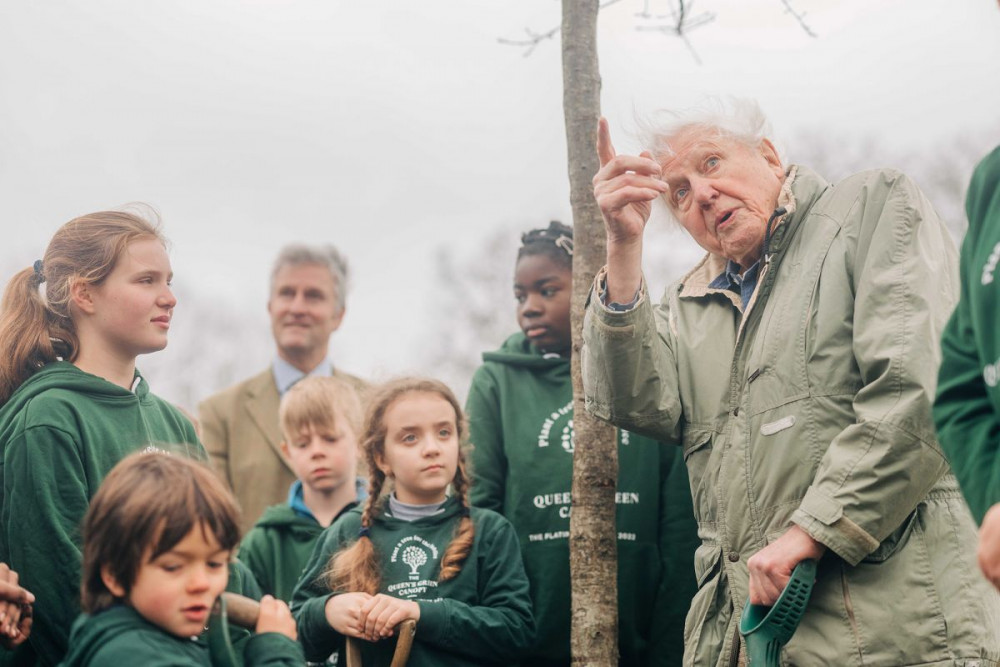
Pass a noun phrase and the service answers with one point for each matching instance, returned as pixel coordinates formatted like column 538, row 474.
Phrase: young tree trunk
column 593, row 545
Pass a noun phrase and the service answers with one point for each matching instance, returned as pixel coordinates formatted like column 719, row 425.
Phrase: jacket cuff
column 270, row 646
column 433, row 623
column 823, row 518
column 315, row 633
column 614, row 316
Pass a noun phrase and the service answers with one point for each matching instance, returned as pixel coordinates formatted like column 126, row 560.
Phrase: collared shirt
column 297, row 501
column 743, row 284
column 285, row 375
column 730, row 279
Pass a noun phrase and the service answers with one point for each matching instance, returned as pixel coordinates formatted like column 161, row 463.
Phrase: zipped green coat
column 814, row 407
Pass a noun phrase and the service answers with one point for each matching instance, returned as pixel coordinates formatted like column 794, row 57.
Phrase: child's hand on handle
column 276, row 617
column 343, row 613
column 15, row 609
column 381, row 614
column 625, row 188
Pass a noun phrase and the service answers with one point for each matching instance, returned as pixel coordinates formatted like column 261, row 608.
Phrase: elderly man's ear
column 770, row 154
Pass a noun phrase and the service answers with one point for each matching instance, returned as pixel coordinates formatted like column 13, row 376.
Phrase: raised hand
column 625, row 188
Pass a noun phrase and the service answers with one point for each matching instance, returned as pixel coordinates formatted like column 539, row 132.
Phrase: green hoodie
column 120, row 636
column 520, row 425
column 482, row 616
column 279, row 545
column 60, row 433
column 967, row 408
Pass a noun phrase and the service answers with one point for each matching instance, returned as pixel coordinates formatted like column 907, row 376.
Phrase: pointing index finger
column 605, row 151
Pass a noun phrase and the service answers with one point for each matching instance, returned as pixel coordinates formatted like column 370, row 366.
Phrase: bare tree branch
column 536, row 38
column 533, row 40
column 683, row 23
column 801, row 18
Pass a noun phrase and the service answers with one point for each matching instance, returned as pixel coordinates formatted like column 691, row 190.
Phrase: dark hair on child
column 36, row 329
column 555, row 242
column 147, row 504
column 355, row 568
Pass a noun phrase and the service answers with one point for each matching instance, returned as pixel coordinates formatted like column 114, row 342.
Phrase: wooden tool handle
column 405, row 631
column 242, row 611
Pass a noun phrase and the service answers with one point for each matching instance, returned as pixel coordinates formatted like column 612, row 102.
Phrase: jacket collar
column 802, row 187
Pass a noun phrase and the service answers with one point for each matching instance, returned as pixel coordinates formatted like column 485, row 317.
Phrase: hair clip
column 38, row 271
column 566, row 243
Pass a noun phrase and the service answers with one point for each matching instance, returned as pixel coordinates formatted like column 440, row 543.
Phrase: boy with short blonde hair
column 320, row 421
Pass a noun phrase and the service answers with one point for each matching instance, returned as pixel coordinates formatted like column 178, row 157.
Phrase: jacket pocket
column 704, row 624
column 896, row 541
column 697, row 445
column 894, row 599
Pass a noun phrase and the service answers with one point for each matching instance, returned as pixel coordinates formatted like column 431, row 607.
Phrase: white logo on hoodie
column 991, row 265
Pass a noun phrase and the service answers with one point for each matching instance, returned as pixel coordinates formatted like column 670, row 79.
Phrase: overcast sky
column 390, row 128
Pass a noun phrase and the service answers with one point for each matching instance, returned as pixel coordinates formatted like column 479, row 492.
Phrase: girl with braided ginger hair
column 417, row 552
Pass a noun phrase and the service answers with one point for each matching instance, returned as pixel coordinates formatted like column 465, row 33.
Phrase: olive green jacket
column 814, row 408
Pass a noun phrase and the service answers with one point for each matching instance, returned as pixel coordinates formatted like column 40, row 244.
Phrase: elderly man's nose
column 704, row 192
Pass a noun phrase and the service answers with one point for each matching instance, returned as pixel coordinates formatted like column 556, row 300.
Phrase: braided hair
column 356, row 568
column 555, row 242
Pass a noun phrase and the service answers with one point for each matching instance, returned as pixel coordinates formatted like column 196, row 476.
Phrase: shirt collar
column 285, row 375
column 742, row 284
column 297, row 502
column 731, row 277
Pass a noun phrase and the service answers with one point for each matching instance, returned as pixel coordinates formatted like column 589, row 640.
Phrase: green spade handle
column 767, row 629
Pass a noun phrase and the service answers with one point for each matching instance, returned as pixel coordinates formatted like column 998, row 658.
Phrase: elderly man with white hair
column 795, row 364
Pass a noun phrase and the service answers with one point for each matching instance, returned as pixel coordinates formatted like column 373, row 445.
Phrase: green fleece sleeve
column 876, row 471
column 253, row 554
column 147, row 654
column 489, row 463
column 967, row 422
column 45, row 499
column 678, row 539
column 318, row 639
column 629, row 367
column 501, row 627
column 272, row 649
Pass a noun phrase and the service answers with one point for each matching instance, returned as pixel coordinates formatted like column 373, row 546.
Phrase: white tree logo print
column 567, row 437
column 414, row 557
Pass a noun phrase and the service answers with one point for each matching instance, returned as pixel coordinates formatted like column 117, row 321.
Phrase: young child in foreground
column 320, row 421
column 158, row 538
column 417, row 553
